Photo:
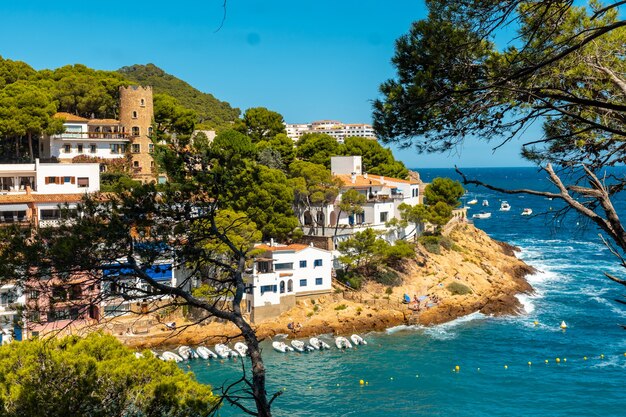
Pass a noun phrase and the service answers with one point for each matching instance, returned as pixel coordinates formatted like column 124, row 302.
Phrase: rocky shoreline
column 488, row 268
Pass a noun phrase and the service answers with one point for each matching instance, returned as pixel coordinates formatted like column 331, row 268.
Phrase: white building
column 338, row 130
column 383, row 197
column 10, row 297
column 284, row 273
column 102, row 138
column 32, row 193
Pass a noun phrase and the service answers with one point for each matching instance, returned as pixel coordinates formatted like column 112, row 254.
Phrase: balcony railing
column 92, row 135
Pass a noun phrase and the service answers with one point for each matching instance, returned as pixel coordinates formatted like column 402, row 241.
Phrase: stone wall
column 271, row 311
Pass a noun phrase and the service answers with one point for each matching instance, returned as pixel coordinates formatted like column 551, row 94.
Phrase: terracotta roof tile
column 361, row 181
column 293, row 247
column 103, row 122
column 69, row 117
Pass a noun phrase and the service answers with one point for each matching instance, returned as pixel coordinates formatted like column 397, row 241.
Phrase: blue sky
column 308, row 60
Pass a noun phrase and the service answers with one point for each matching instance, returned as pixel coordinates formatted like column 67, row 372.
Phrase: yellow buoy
column 558, row 360
column 536, row 323
column 585, row 358
column 564, row 359
column 457, row 368
column 602, row 356
column 563, row 325
column 361, row 382
column 506, row 366
column 529, row 363
column 367, row 383
column 546, row 361
column 624, row 353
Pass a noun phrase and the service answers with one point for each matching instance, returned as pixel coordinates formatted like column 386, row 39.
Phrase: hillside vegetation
column 211, row 112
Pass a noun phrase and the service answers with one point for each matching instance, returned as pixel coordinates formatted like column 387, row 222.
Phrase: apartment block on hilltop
column 338, row 130
column 110, row 138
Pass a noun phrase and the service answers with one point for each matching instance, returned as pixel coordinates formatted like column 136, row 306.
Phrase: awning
column 13, row 207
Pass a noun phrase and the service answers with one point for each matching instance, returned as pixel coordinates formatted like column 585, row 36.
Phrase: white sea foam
column 445, row 331
column 527, row 302
column 402, row 328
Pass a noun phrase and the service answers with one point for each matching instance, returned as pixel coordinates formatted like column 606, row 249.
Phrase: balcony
column 92, row 135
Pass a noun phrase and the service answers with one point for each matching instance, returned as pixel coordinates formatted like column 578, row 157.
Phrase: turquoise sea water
column 409, row 370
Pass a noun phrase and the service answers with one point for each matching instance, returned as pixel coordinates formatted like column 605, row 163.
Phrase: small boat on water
column 223, row 351
column 205, row 353
column 472, row 202
column 171, row 356
column 505, row 206
column 281, row 347
column 481, row 215
column 527, row 212
column 357, row 340
column 185, row 352
column 300, row 346
column 485, row 203
column 318, row 343
column 342, row 343
column 241, row 349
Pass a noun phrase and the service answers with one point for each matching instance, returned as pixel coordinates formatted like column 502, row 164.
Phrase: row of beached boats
column 316, row 343
column 185, row 353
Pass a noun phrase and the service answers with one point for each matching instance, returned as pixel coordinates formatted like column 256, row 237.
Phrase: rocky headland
column 476, row 274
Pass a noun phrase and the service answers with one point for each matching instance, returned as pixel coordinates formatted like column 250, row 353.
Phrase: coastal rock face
column 487, row 270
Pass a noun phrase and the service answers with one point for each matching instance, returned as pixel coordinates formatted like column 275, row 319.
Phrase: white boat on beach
column 318, row 343
column 357, row 340
column 205, row 353
column 281, row 347
column 342, row 343
column 481, row 215
column 241, row 349
column 185, row 352
column 504, row 206
column 527, row 212
column 223, row 351
column 485, row 203
column 171, row 356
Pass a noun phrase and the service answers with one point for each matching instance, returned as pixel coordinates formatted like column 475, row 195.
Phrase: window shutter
column 59, row 180
column 47, row 180
column 73, row 180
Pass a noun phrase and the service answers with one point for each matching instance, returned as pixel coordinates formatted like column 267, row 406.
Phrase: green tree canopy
column 261, row 124
column 376, row 159
column 317, row 148
column 231, row 146
column 95, row 376
column 445, row 190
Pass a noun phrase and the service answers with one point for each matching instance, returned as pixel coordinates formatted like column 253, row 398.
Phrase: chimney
column 365, row 175
column 271, row 242
column 353, row 177
column 382, row 179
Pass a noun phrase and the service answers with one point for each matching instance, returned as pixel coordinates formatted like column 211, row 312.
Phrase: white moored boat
column 318, row 343
column 472, row 202
column 342, row 343
column 281, row 347
column 485, row 203
column 185, row 352
column 223, row 351
column 357, row 340
column 527, row 212
column 481, row 215
column 241, row 349
column 171, row 356
column 205, row 353
column 504, row 206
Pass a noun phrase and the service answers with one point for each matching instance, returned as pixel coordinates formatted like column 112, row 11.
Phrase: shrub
column 389, row 291
column 387, row 277
column 316, row 308
column 446, row 242
column 341, row 307
column 431, row 244
column 456, row 288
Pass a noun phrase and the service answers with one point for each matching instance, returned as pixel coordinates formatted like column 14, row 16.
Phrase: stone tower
column 136, row 117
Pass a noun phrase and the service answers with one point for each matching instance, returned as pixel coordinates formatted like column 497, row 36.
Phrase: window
column 318, row 281
column 268, row 288
column 151, row 164
column 142, row 102
column 302, row 264
column 33, row 295
column 151, row 148
column 92, row 148
column 317, row 262
column 134, row 114
column 34, row 316
column 67, row 180
column 83, row 182
column 383, row 216
column 282, row 287
column 150, row 131
column 115, row 148
column 67, row 148
column 303, row 282
column 79, row 148
column 136, row 148
column 135, row 164
column 50, row 214
column 283, row 266
column 135, row 131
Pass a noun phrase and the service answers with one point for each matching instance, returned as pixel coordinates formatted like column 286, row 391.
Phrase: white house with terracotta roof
column 384, row 195
column 338, row 130
column 32, row 193
column 281, row 274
